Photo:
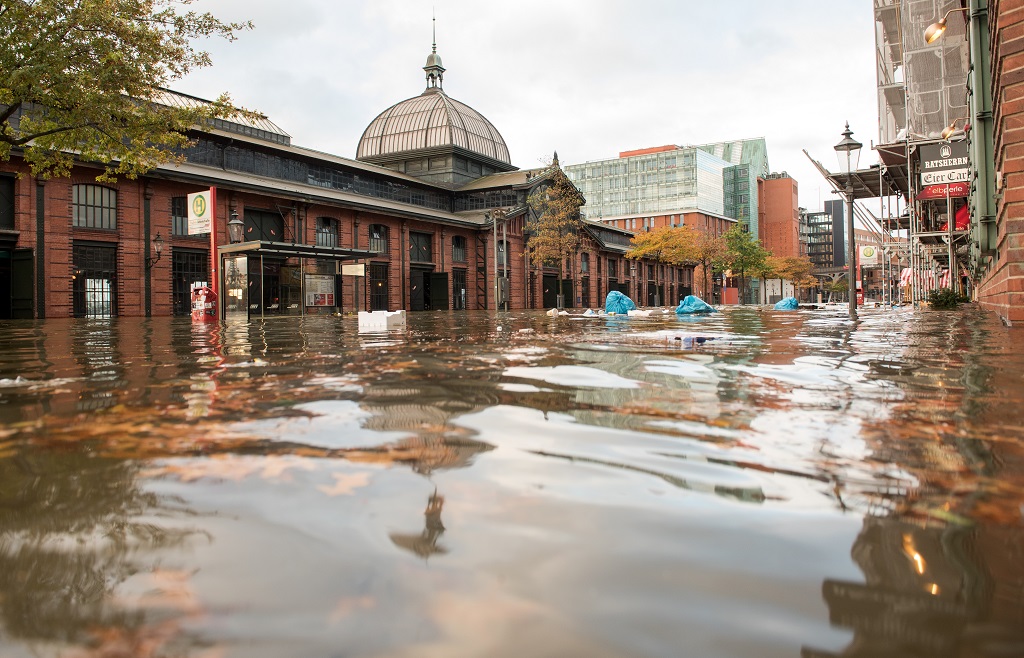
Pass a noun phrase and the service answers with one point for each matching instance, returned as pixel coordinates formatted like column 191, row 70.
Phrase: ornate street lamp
column 235, row 228
column 848, row 153
column 158, row 249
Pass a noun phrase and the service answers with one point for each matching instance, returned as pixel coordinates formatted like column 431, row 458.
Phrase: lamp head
column 235, row 228
column 158, row 244
column 848, row 151
column 934, row 31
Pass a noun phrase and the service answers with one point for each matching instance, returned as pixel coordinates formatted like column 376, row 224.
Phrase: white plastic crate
column 381, row 320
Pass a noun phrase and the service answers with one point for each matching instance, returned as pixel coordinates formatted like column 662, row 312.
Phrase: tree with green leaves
column 87, row 79
column 745, row 254
column 555, row 225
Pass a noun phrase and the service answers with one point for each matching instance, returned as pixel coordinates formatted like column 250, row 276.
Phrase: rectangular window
column 459, row 290
column 459, row 249
column 378, row 281
column 94, row 284
column 94, row 206
column 7, row 203
column 188, row 266
column 612, row 268
column 179, row 215
column 420, row 250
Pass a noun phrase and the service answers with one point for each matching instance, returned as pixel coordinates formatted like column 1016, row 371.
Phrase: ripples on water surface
column 754, row 483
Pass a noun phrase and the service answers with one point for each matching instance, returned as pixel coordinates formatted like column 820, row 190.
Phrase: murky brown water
column 755, row 483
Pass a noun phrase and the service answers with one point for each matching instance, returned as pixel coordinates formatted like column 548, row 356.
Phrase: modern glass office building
column 671, row 180
column 718, row 179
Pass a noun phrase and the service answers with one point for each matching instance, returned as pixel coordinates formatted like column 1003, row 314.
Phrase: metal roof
column 251, row 124
column 875, row 182
column 288, row 249
column 428, row 121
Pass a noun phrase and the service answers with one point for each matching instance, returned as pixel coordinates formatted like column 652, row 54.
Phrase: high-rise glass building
column 718, row 180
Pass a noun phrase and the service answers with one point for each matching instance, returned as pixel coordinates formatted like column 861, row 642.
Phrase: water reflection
column 752, row 483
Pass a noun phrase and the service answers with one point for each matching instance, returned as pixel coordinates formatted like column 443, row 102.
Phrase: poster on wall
column 319, row 290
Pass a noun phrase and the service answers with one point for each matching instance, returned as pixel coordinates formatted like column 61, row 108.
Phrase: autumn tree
column 555, row 224
column 745, row 253
column 681, row 246
column 86, row 79
column 798, row 270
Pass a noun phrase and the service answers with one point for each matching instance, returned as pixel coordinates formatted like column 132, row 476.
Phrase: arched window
column 459, row 249
column 585, row 263
column 94, row 206
column 379, row 238
column 326, row 232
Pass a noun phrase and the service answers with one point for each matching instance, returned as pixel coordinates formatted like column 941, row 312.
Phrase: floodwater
column 754, row 483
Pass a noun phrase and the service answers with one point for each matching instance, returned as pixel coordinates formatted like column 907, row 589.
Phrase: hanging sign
column 952, row 190
column 945, row 162
column 868, row 255
column 200, row 212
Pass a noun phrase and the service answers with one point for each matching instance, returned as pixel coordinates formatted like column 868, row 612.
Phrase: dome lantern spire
column 433, row 69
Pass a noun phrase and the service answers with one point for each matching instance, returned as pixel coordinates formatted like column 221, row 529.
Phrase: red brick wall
column 1002, row 289
column 779, row 225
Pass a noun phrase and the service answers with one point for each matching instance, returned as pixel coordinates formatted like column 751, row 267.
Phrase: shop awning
column 287, row 250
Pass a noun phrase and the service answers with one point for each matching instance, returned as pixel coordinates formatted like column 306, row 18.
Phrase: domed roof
column 431, row 120
column 433, row 60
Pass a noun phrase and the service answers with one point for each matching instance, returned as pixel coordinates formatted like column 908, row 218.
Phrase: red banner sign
column 943, row 191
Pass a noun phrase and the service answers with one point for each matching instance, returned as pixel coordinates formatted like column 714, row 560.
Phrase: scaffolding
column 922, row 91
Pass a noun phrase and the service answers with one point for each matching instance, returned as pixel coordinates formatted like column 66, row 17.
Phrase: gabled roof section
column 609, row 237
column 257, row 126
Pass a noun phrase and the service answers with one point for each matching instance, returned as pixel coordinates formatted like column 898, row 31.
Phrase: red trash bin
column 204, row 304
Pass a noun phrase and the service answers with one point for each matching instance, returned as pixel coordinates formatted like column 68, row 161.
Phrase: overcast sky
column 588, row 78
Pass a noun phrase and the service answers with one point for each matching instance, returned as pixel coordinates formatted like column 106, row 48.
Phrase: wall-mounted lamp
column 158, row 249
column 951, row 128
column 935, row 30
column 235, row 228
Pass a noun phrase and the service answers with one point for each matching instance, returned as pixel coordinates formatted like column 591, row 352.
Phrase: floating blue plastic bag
column 691, row 305
column 787, row 304
column 616, row 302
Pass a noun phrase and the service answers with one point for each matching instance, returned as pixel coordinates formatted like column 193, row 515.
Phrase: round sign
column 199, row 206
column 869, row 252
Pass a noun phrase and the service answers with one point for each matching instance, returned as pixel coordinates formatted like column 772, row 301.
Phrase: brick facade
column 1002, row 288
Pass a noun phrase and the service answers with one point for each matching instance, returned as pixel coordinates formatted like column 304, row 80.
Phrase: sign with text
column 943, row 163
column 951, row 190
column 868, row 256
column 200, row 212
column 319, row 290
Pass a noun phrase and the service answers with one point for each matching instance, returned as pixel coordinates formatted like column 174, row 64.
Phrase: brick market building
column 431, row 208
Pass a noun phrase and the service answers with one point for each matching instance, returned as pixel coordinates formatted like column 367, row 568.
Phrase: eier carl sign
column 943, row 163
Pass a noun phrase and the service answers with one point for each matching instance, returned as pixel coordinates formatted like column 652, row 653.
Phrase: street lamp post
column 848, row 153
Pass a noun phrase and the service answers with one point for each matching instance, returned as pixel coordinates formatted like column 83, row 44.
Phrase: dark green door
column 22, row 298
column 438, row 287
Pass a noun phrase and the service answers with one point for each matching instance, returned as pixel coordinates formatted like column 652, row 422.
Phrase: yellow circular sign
column 199, row 206
column 869, row 252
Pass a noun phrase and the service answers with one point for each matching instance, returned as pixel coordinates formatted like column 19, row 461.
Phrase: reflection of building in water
column 436, row 442
column 424, row 544
column 923, row 591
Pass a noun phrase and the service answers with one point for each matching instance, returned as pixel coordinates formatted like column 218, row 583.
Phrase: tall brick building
column 779, row 225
